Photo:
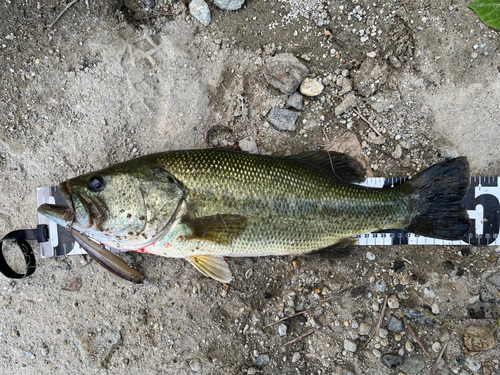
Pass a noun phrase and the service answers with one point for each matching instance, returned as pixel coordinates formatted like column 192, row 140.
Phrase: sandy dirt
column 106, row 84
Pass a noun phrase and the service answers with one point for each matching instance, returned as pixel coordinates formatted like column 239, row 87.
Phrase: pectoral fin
column 341, row 249
column 212, row 266
column 221, row 229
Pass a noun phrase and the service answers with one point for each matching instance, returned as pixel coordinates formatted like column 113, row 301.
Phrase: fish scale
column 291, row 208
column 204, row 205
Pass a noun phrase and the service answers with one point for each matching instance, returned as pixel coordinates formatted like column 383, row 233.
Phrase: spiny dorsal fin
column 335, row 164
column 343, row 248
column 212, row 266
column 215, row 229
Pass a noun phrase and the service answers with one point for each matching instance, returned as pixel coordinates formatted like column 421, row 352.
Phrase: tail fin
column 436, row 202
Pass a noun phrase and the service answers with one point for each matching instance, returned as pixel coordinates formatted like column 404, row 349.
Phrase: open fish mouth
column 60, row 214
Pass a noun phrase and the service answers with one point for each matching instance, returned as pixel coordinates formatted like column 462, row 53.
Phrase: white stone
column 311, row 87
column 393, row 302
column 350, row 345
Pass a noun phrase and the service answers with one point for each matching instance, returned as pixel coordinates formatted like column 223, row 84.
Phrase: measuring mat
column 482, row 201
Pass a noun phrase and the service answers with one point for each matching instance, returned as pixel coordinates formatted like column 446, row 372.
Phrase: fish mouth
column 76, row 214
column 62, row 215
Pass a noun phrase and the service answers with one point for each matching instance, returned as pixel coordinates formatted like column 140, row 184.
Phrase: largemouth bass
column 204, row 205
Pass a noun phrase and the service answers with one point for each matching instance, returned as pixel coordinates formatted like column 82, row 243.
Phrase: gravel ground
column 94, row 89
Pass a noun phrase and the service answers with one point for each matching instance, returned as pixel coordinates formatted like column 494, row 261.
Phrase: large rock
column 229, row 4
column 285, row 72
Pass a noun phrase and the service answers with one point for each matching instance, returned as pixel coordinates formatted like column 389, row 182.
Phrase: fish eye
column 96, row 183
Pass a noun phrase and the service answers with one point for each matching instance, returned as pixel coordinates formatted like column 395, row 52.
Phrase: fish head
column 127, row 206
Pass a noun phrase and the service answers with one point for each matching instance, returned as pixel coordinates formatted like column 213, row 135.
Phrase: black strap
column 20, row 237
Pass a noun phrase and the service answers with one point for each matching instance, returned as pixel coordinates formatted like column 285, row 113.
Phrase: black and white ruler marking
column 482, row 201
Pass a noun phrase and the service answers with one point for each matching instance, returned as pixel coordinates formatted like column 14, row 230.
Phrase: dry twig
column 438, row 359
column 60, row 14
column 380, row 320
column 307, row 334
column 285, row 318
column 418, row 340
column 366, row 120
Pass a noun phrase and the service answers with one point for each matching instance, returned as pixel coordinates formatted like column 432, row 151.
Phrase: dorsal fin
column 334, row 164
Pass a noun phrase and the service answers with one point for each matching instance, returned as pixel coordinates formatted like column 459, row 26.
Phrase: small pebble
column 381, row 285
column 436, row 347
column 395, row 324
column 199, row 10
column 229, row 4
column 429, row 293
column 262, row 360
column 472, row 364
column 283, row 119
column 311, row 87
column 350, row 345
column 377, row 353
column 494, row 279
column 364, row 329
column 401, row 352
column 370, row 256
column 382, row 332
column 249, row 145
column 195, row 365
column 409, row 347
column 314, row 323
column 295, row 357
column 393, row 302
column 414, row 364
column 295, row 101
column 392, row 361
column 282, row 330
column 372, row 54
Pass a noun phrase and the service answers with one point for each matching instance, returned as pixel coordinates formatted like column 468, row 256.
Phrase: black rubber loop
column 41, row 234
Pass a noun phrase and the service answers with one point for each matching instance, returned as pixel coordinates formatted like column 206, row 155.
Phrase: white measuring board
column 482, row 202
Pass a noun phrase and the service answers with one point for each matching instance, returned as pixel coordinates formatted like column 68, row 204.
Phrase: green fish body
column 204, row 205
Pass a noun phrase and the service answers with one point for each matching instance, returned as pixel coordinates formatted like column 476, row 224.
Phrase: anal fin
column 212, row 266
column 341, row 249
